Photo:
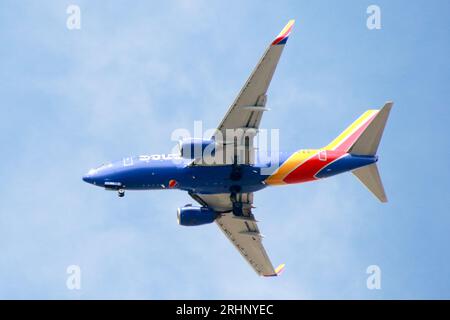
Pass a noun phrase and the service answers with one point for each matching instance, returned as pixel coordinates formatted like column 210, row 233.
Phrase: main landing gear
column 121, row 193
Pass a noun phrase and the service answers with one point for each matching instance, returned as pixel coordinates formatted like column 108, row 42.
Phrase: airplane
column 224, row 188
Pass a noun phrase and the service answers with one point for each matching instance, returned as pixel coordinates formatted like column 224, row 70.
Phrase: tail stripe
column 346, row 139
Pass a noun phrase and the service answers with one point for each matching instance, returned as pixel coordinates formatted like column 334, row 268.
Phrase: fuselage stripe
column 290, row 165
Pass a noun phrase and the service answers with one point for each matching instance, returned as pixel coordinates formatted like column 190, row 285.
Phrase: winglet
column 284, row 34
column 278, row 271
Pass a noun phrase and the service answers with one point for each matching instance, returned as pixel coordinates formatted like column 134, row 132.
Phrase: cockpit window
column 104, row 166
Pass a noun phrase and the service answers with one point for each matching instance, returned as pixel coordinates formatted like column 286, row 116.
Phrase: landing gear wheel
column 237, row 205
column 121, row 193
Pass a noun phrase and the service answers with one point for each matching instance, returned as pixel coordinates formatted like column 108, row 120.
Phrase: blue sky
column 135, row 71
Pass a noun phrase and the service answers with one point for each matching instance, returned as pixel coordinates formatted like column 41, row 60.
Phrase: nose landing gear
column 121, row 193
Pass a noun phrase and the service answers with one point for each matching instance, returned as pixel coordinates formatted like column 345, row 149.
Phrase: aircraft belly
column 218, row 179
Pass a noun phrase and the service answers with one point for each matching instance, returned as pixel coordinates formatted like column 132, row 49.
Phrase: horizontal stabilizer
column 370, row 177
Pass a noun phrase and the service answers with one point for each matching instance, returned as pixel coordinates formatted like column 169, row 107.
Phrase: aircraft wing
column 239, row 225
column 247, row 108
column 246, row 111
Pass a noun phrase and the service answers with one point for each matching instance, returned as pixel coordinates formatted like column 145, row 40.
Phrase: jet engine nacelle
column 197, row 148
column 195, row 216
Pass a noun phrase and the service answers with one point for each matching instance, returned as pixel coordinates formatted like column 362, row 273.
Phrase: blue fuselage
column 150, row 174
column 170, row 171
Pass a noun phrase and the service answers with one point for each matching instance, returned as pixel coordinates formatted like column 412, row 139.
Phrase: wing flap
column 246, row 237
column 242, row 230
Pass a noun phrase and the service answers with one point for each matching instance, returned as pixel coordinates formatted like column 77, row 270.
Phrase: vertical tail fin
column 367, row 143
column 362, row 138
column 347, row 138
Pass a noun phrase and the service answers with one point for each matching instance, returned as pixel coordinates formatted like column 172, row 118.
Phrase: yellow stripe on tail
column 348, row 133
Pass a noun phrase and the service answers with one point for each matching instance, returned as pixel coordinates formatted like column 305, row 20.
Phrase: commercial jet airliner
column 223, row 173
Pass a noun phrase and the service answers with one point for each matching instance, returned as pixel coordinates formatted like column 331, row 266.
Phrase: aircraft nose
column 89, row 177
